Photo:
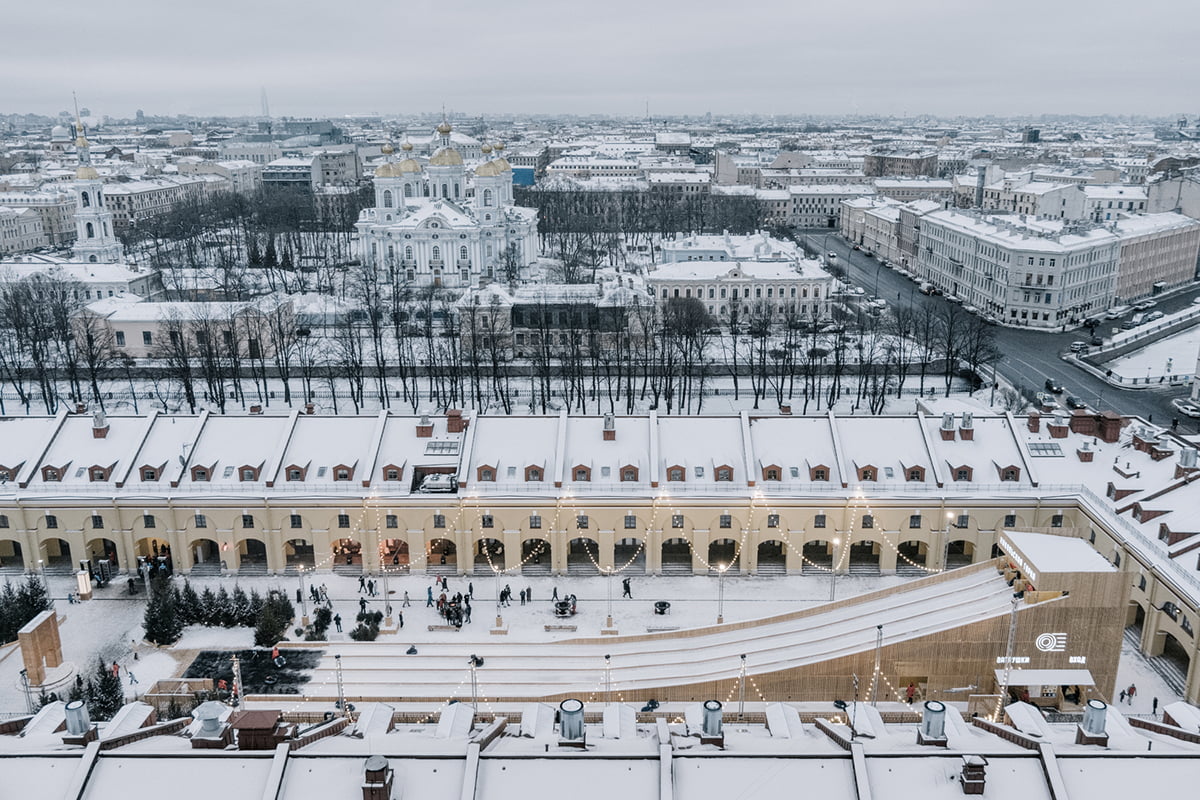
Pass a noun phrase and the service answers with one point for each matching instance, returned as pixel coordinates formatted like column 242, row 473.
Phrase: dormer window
column 629, row 474
column 295, row 474
column 487, row 474
column 248, row 474
column 1011, row 474
column 51, row 474
column 392, row 472
column 771, row 474
column 675, row 474
column 583, row 474
column 916, row 474
column 866, row 474
column 533, row 474
column 342, row 474
column 820, row 474
column 199, row 474
column 962, row 473
column 99, row 474
column 724, row 474
column 149, row 474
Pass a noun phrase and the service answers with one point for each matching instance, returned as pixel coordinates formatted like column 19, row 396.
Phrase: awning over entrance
column 1046, row 677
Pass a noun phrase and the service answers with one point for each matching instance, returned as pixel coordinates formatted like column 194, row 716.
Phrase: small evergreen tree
column 224, row 609
column 273, row 621
column 208, row 608
column 106, row 696
column 190, row 607
column 161, row 620
column 241, row 606
column 271, row 258
column 8, row 613
column 80, row 690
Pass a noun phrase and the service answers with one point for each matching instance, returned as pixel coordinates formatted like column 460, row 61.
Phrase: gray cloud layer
column 404, row 56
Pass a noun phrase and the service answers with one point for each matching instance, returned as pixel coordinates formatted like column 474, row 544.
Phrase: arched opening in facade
column 394, row 555
column 252, row 557
column 443, row 557
column 100, row 548
column 629, row 556
column 960, row 553
column 347, row 556
column 864, row 558
column 535, row 557
column 772, row 558
column 818, row 557
column 206, row 557
column 56, row 554
column 298, row 554
column 1173, row 663
column 12, row 560
column 724, row 555
column 155, row 552
column 489, row 556
column 583, row 556
column 1135, row 618
column 676, row 557
column 911, row 559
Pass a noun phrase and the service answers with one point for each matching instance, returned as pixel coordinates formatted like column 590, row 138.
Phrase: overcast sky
column 610, row 56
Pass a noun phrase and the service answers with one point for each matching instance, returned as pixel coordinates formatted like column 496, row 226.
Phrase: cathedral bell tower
column 95, row 240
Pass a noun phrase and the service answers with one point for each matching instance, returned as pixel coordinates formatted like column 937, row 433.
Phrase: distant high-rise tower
column 266, row 108
column 95, row 241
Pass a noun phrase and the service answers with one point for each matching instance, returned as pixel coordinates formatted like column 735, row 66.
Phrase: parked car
column 1051, row 386
column 1154, row 315
column 832, row 256
column 1116, row 312
column 927, row 288
column 1145, row 305
column 1046, row 401
column 1075, row 402
column 1187, row 407
column 1096, row 341
column 1079, row 347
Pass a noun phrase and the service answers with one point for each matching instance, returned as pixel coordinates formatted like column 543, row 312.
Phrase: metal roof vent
column 1094, row 714
column 933, row 724
column 571, row 731
column 78, row 721
column 1187, row 458
column 209, row 716
column 947, row 421
column 712, row 718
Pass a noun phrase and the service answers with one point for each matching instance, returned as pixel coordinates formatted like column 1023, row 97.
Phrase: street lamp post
column 608, row 582
column 303, row 597
column 499, row 617
column 946, row 542
column 833, row 570
column 721, row 569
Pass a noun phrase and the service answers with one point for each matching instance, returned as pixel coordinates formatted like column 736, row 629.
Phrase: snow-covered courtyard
column 109, row 627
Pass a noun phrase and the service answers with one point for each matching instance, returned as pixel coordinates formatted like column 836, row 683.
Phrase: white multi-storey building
column 1038, row 273
column 820, row 205
column 777, row 285
column 439, row 226
column 1158, row 252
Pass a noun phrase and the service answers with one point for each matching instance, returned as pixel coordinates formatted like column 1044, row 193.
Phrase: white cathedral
column 439, row 225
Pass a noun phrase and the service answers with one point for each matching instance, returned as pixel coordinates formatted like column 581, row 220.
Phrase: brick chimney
column 1086, row 453
column 309, row 408
column 785, row 409
column 1187, row 463
column 1034, row 422
column 610, row 428
column 974, row 774
column 424, row 427
column 967, row 429
column 947, row 428
column 377, row 779
column 99, row 425
column 1058, row 428
column 1108, row 427
column 454, row 421
column 81, row 408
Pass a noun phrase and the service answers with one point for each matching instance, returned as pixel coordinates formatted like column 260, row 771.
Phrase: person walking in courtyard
column 429, row 597
column 362, row 605
column 299, row 597
column 554, row 597
column 406, row 604
column 467, row 611
column 337, row 622
column 470, row 589
column 1154, row 707
column 116, row 670
column 522, row 597
column 529, row 593
column 400, row 618
column 910, row 692
column 1123, row 695
column 362, row 583
column 1132, row 692
column 625, row 592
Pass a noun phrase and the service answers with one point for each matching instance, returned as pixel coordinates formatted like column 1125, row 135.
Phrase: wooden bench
column 444, row 628
column 662, row 629
column 571, row 628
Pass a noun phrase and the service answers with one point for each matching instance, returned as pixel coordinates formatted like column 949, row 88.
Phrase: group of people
column 318, row 594
column 367, row 585
column 526, row 595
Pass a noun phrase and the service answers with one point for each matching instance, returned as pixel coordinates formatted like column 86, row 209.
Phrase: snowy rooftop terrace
column 456, row 756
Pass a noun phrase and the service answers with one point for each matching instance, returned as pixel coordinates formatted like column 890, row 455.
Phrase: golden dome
column 488, row 169
column 81, row 142
column 388, row 169
column 502, row 165
column 387, row 149
column 406, row 147
column 498, row 146
column 487, row 148
column 446, row 157
column 86, row 173
column 444, row 129
column 408, row 165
